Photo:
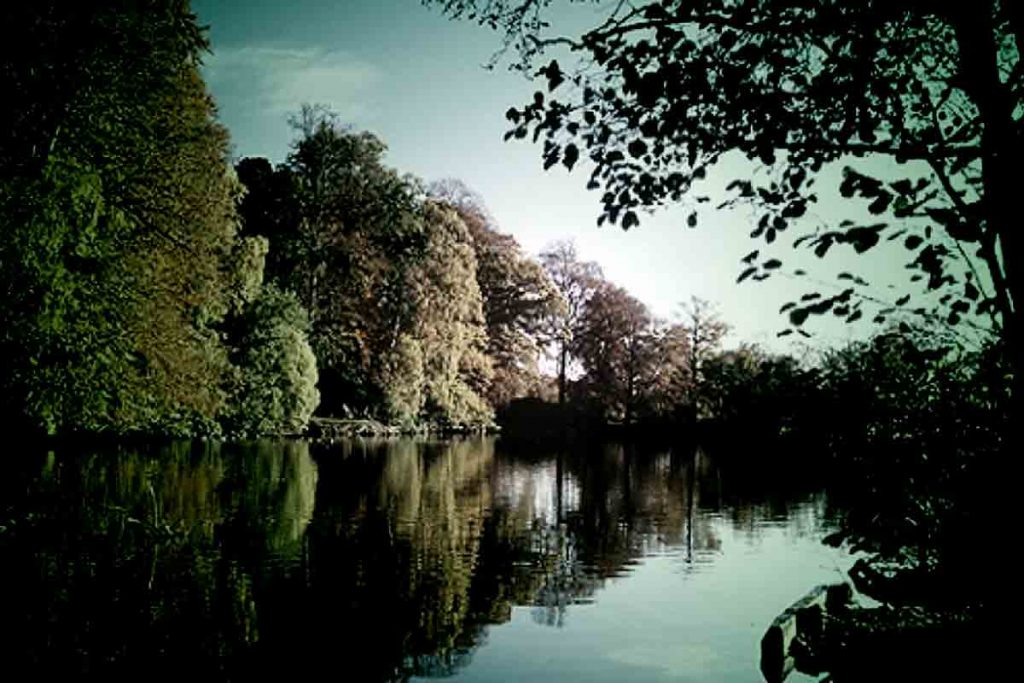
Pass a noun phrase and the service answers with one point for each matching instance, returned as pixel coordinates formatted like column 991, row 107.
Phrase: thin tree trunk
column 562, row 360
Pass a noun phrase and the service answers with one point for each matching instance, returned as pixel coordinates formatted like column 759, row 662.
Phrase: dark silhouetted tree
column 617, row 351
column 660, row 92
column 704, row 331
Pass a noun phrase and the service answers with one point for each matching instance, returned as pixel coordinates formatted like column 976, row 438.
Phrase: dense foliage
column 518, row 299
column 389, row 277
column 448, row 341
column 343, row 231
column 118, row 218
column 922, row 428
column 150, row 289
column 276, row 391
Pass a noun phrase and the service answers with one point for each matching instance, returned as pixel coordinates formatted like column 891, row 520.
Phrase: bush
column 276, row 391
column 918, row 430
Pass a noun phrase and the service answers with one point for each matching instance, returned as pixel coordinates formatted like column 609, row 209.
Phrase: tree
column 518, row 298
column 576, row 281
column 119, row 223
column 663, row 91
column 705, row 331
column 668, row 383
column 921, row 438
column 393, row 280
column 344, row 230
column 449, row 336
column 616, row 351
column 765, row 393
column 276, row 392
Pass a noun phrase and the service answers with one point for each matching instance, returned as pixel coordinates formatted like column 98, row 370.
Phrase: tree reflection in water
column 380, row 560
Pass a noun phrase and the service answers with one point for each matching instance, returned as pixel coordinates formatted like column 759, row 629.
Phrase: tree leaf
column 746, row 273
column 913, row 242
column 570, row 155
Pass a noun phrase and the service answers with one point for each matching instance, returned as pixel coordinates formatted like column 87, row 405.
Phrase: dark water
column 389, row 561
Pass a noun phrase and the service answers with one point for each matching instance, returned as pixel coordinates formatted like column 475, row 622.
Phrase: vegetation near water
column 151, row 287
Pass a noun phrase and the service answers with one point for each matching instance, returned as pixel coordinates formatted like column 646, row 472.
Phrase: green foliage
column 276, row 391
column 67, row 300
column 391, row 282
column 343, row 231
column 403, row 374
column 118, row 214
column 450, row 325
column 438, row 368
column 249, row 260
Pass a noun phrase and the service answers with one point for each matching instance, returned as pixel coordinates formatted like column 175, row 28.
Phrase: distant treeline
column 150, row 288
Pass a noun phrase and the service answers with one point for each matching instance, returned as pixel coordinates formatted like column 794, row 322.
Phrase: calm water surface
column 377, row 561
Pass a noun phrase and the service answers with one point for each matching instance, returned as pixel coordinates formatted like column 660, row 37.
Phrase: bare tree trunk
column 563, row 357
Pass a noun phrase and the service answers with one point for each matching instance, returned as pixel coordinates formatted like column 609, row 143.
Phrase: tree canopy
column 343, row 229
column 576, row 280
column 119, row 221
column 519, row 298
column 658, row 93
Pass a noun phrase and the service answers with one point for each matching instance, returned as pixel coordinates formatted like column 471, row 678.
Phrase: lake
column 400, row 560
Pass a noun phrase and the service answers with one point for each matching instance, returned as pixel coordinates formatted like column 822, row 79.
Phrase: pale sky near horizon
column 416, row 79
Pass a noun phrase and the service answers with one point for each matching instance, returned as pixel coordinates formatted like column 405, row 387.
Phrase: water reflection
column 376, row 560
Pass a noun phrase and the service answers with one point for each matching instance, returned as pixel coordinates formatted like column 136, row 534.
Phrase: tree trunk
column 1001, row 152
column 562, row 360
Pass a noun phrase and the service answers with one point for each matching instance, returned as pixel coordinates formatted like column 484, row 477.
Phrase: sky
column 417, row 80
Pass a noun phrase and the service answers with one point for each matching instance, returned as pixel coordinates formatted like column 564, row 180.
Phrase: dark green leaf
column 570, row 155
column 746, row 273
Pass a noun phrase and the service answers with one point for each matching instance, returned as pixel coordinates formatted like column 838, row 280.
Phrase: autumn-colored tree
column 519, row 298
column 616, row 351
column 344, row 230
column 576, row 280
column 668, row 382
